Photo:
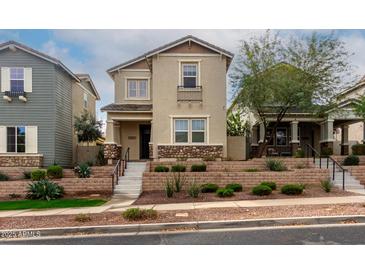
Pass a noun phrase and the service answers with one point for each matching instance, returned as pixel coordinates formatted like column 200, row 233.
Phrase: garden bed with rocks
column 159, row 197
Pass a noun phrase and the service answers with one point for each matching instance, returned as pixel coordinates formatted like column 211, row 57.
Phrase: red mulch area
column 110, row 218
column 159, row 197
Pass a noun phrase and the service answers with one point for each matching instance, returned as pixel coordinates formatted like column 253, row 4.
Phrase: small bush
column 351, row 160
column 275, row 165
column 194, row 190
column 250, row 170
column 44, row 190
column 100, row 159
column 235, row 187
column 14, row 196
column 82, row 218
column 299, row 153
column 38, row 174
column 27, row 175
column 55, row 172
column 358, row 149
column 199, row 168
column 178, row 168
column 169, row 189
column 162, row 169
column 326, row 151
column 83, row 171
column 4, row 177
column 261, row 190
column 271, row 185
column 135, row 214
column 209, row 188
column 326, row 185
column 292, row 189
column 225, row 192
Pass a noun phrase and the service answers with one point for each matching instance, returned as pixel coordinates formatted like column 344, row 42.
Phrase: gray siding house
column 36, row 108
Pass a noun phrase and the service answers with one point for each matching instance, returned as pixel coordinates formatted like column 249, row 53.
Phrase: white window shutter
column 31, row 139
column 3, row 139
column 5, row 79
column 28, row 83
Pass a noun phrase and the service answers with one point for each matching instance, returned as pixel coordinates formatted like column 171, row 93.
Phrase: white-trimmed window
column 15, row 139
column 17, row 79
column 181, row 131
column 190, row 130
column 189, row 75
column 137, row 88
column 85, row 100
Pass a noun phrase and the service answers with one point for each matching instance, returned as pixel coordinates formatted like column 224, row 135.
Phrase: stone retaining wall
column 191, row 151
column 21, row 160
column 156, row 180
column 72, row 186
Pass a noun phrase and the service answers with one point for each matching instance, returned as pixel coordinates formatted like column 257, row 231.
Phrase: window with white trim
column 189, row 75
column 85, row 100
column 137, row 88
column 17, row 79
column 15, row 139
column 190, row 130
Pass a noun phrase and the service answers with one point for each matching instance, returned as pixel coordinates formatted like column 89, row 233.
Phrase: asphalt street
column 304, row 235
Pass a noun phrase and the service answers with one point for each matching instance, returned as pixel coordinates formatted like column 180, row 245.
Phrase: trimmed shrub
column 4, row 177
column 358, row 149
column 38, row 174
column 225, row 192
column 326, row 185
column 198, row 168
column 271, row 185
column 299, row 153
column 275, row 165
column 235, row 187
column 209, row 188
column 194, row 190
column 351, row 160
column 27, row 175
column 261, row 190
column 83, row 170
column 55, row 172
column 44, row 190
column 292, row 189
column 326, row 151
column 161, row 169
column 135, row 214
column 178, row 168
column 251, row 170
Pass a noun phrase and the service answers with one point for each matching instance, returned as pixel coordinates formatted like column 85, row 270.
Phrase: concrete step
column 126, row 195
column 126, row 187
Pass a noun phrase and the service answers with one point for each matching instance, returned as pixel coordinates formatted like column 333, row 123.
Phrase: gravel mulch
column 159, row 197
column 109, row 218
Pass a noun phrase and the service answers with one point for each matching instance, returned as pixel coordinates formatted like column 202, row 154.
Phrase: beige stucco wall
column 165, row 80
column 236, row 147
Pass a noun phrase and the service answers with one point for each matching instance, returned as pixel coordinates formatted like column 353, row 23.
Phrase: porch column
column 262, row 133
column 345, row 140
column 111, row 151
column 294, row 137
column 327, row 134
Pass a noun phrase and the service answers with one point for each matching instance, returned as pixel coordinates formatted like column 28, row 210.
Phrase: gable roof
column 87, row 78
column 13, row 44
column 171, row 45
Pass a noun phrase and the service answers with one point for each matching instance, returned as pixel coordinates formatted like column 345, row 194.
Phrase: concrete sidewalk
column 119, row 207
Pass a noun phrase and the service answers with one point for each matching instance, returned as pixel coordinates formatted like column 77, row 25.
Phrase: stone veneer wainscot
column 21, row 160
column 190, row 151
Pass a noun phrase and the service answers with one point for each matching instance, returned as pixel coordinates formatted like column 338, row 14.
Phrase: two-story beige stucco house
column 170, row 103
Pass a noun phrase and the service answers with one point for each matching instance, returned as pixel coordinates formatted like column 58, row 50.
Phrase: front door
column 144, row 139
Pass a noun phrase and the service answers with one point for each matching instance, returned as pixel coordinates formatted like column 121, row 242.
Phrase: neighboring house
column 339, row 129
column 38, row 99
column 170, row 103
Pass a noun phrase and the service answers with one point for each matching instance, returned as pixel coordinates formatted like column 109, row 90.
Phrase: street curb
column 199, row 225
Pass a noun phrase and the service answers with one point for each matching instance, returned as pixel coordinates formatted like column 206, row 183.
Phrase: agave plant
column 83, row 171
column 44, row 190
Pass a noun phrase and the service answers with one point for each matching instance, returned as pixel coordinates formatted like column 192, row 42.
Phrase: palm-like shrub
column 44, row 190
column 83, row 171
column 87, row 128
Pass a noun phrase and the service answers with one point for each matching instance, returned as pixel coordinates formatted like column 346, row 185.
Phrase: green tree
column 360, row 108
column 236, row 126
column 274, row 75
column 87, row 128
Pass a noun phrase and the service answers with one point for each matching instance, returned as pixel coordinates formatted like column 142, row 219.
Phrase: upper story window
column 190, row 75
column 17, row 79
column 137, row 89
column 85, row 100
column 16, row 139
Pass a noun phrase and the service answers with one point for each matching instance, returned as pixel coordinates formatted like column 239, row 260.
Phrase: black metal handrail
column 126, row 158
column 116, row 173
column 328, row 157
column 14, row 93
